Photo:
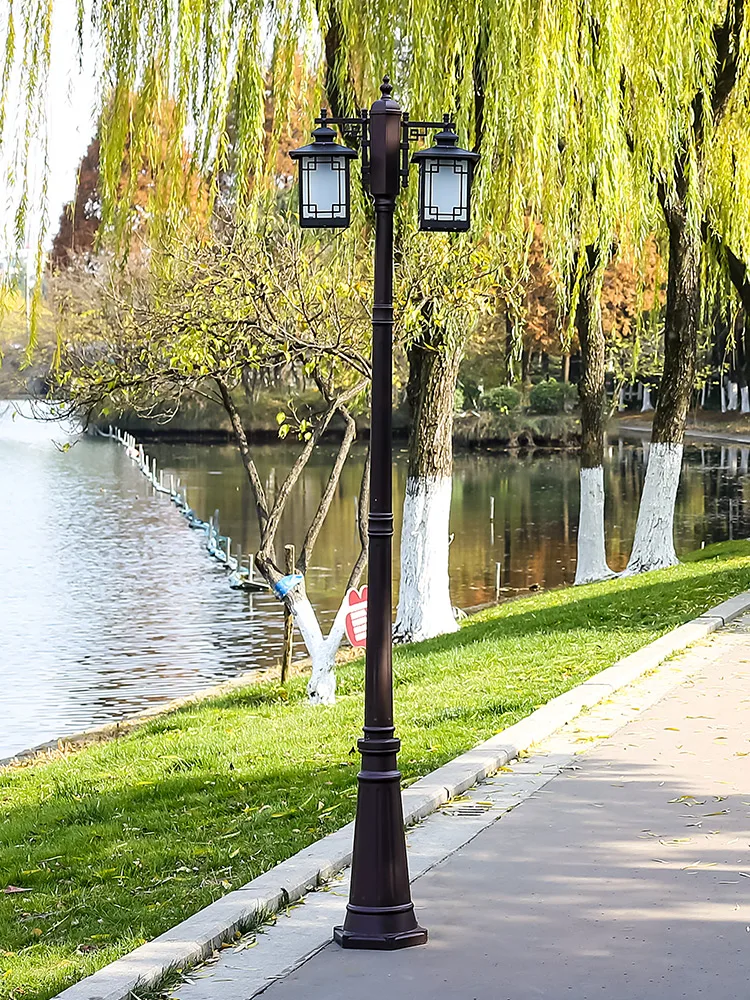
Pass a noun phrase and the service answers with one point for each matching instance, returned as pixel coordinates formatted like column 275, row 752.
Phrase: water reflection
column 108, row 602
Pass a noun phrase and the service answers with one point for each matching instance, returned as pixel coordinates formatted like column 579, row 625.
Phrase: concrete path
column 622, row 871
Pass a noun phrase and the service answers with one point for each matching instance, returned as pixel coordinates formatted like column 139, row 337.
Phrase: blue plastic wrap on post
column 286, row 583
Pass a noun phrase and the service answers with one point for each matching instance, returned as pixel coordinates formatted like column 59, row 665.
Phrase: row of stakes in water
column 242, row 570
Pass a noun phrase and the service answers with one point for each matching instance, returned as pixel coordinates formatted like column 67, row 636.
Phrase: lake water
column 110, row 604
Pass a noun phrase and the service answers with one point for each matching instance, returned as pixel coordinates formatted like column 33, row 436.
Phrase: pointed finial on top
column 385, row 87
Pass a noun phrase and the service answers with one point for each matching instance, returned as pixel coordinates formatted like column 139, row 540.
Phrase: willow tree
column 700, row 85
column 587, row 209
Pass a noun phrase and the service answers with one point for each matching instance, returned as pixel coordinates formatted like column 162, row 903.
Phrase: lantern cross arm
column 342, row 123
column 352, row 128
column 418, row 130
column 355, row 130
column 413, row 131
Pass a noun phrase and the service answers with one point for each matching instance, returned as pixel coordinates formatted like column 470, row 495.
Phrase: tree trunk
column 745, row 390
column 424, row 603
column 592, row 557
column 510, row 372
column 321, row 688
column 525, row 365
column 653, row 546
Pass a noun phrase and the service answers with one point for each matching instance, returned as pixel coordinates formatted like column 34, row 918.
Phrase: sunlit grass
column 118, row 842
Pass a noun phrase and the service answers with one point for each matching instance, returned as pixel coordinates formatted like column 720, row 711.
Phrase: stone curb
column 197, row 937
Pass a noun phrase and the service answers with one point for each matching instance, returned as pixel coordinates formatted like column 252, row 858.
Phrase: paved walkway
column 614, row 863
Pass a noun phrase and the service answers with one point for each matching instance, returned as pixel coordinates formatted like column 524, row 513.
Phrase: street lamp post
column 380, row 913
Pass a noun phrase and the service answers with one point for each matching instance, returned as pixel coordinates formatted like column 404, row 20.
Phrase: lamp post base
column 378, row 932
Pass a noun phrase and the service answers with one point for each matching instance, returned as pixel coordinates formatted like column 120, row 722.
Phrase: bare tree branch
column 362, row 514
column 261, row 503
column 329, row 492
column 271, row 527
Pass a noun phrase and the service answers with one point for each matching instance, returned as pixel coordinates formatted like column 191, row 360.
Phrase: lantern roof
column 324, row 144
column 445, row 146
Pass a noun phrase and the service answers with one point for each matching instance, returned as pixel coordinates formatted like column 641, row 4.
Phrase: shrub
column 553, row 397
column 502, row 399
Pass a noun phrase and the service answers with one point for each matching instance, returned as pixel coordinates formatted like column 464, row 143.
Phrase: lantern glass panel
column 445, row 193
column 324, row 190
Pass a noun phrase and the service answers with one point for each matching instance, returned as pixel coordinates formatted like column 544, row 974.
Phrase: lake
column 109, row 603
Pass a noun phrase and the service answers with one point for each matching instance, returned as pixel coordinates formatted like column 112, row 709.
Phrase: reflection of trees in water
column 533, row 536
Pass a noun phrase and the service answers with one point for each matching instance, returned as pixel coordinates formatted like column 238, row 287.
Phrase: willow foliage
column 579, row 107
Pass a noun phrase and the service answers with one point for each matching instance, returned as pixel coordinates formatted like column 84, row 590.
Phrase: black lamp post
column 380, row 913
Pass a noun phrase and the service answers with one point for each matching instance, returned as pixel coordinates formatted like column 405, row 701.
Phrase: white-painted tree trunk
column 321, row 688
column 621, row 399
column 723, row 397
column 646, row 405
column 591, row 564
column 745, row 398
column 732, row 396
column 704, row 390
column 653, row 546
column 424, row 601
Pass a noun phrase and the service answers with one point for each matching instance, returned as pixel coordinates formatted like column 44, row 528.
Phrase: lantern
column 323, row 181
column 445, row 173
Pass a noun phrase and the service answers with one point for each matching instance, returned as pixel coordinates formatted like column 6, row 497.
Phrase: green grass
column 120, row 841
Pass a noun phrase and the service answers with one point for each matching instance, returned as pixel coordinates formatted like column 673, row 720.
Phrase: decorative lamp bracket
column 413, row 132
column 356, row 134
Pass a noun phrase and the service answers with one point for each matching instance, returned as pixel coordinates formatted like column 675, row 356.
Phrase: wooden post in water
column 492, row 508
column 286, row 662
column 228, row 551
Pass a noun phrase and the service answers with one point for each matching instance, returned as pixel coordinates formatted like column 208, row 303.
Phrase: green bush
column 553, row 397
column 502, row 399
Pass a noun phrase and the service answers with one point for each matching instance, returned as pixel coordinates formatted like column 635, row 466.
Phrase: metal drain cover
column 468, row 809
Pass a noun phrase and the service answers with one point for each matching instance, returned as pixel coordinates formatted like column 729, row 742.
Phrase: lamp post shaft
column 380, row 913
column 378, row 671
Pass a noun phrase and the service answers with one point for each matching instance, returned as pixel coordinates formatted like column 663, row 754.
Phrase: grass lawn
column 118, row 842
